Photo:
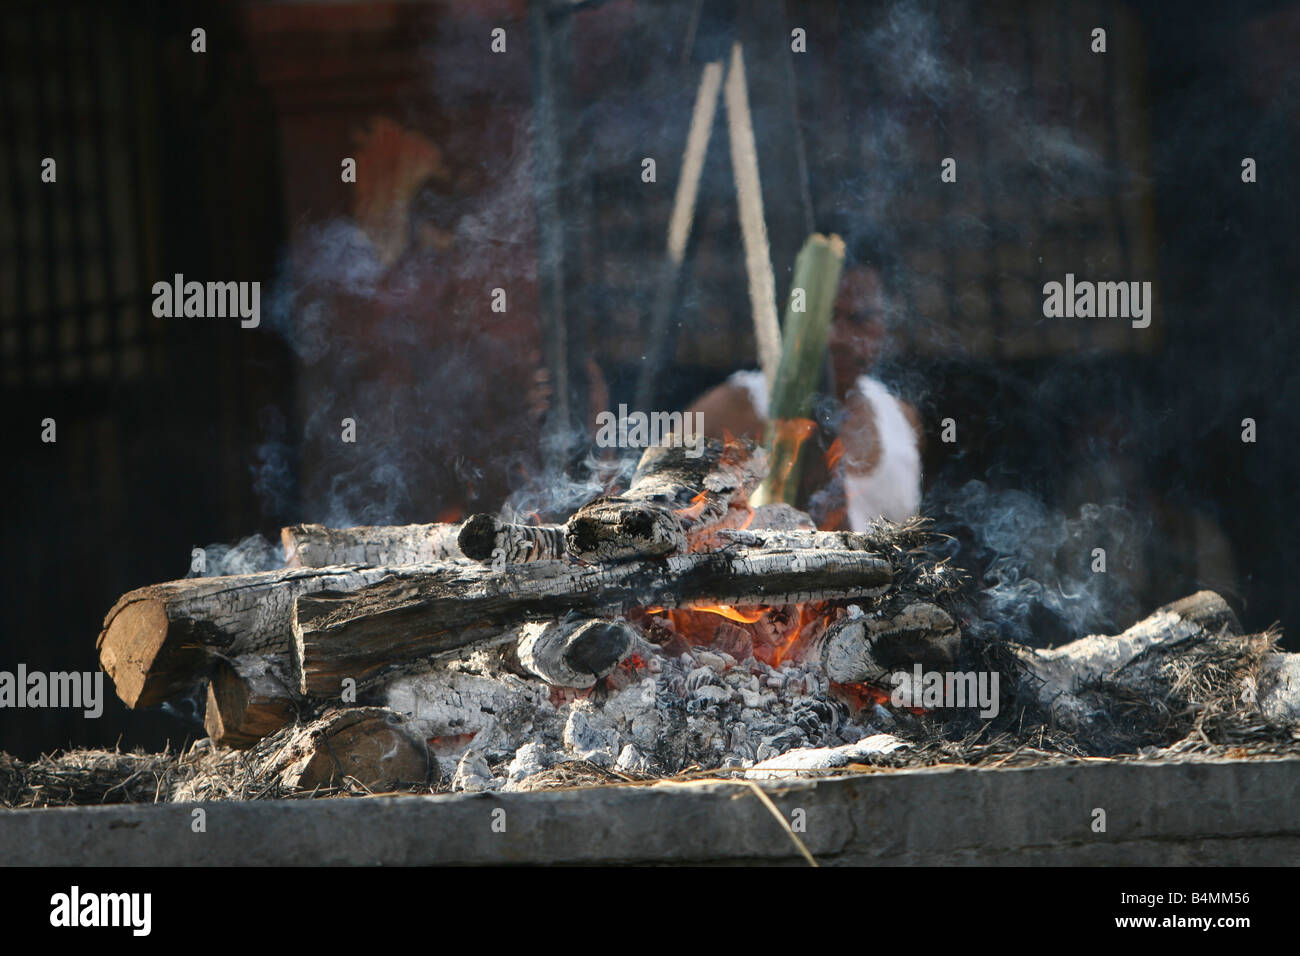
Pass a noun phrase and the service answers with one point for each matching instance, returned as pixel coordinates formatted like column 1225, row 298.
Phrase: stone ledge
column 1200, row 813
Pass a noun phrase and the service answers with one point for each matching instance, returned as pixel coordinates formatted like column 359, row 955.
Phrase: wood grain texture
column 401, row 621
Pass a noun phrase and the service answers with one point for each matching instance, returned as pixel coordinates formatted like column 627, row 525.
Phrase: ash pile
column 668, row 629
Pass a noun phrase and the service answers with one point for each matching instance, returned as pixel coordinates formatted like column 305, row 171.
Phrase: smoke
column 416, row 341
column 446, row 396
column 932, row 89
column 252, row 554
column 557, row 494
column 400, row 333
column 1038, row 572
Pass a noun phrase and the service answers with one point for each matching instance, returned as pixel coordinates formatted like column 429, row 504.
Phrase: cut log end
column 616, row 529
column 867, row 649
column 135, row 652
column 1206, row 610
column 477, row 537
column 246, row 701
column 370, row 745
column 574, row 653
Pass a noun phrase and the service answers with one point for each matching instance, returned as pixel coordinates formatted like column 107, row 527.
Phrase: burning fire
column 810, row 621
column 722, row 610
column 693, row 511
column 789, row 434
column 860, row 696
column 773, row 634
column 739, row 517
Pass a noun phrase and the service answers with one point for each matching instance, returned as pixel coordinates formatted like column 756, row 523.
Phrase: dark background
column 182, row 433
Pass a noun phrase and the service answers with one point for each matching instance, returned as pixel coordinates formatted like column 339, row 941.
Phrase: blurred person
column 865, row 461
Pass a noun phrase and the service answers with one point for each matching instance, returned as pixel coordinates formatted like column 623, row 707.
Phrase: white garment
column 893, row 488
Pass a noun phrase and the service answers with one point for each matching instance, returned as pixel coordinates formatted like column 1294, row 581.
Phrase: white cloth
column 893, row 488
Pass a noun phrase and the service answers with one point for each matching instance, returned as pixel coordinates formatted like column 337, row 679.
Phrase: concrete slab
column 1219, row 813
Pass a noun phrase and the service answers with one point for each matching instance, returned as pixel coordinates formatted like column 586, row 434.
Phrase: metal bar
column 991, row 289
column 1112, row 137
column 19, row 182
column 75, row 354
column 43, row 139
column 753, row 228
column 679, row 228
column 550, row 239
column 137, row 154
column 110, row 303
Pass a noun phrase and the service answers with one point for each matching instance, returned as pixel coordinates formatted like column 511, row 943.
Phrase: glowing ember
column 776, row 635
column 862, row 696
column 695, row 508
column 809, row 623
column 739, row 516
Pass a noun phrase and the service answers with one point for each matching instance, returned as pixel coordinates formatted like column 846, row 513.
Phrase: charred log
column 248, row 698
column 158, row 640
column 868, row 648
column 574, row 653
column 405, row 620
column 489, row 540
column 316, row 546
column 674, row 489
column 1063, row 673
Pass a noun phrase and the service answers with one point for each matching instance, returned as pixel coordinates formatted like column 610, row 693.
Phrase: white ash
column 808, row 761
column 656, row 714
column 473, row 773
column 588, row 739
column 533, row 757
column 1279, row 688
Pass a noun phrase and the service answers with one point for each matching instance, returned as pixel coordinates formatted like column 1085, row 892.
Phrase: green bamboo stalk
column 805, row 332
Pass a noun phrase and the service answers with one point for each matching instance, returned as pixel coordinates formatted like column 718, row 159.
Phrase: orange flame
column 834, row 454
column 693, row 511
column 731, row 614
column 722, row 610
column 794, row 430
column 807, row 626
column 788, row 436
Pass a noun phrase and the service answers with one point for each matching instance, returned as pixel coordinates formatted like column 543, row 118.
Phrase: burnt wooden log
column 1062, row 672
column 574, row 653
column 399, row 622
column 867, row 648
column 674, row 489
column 620, row 529
column 368, row 745
column 800, row 540
column 248, row 698
column 316, row 546
column 158, row 640
column 489, row 540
